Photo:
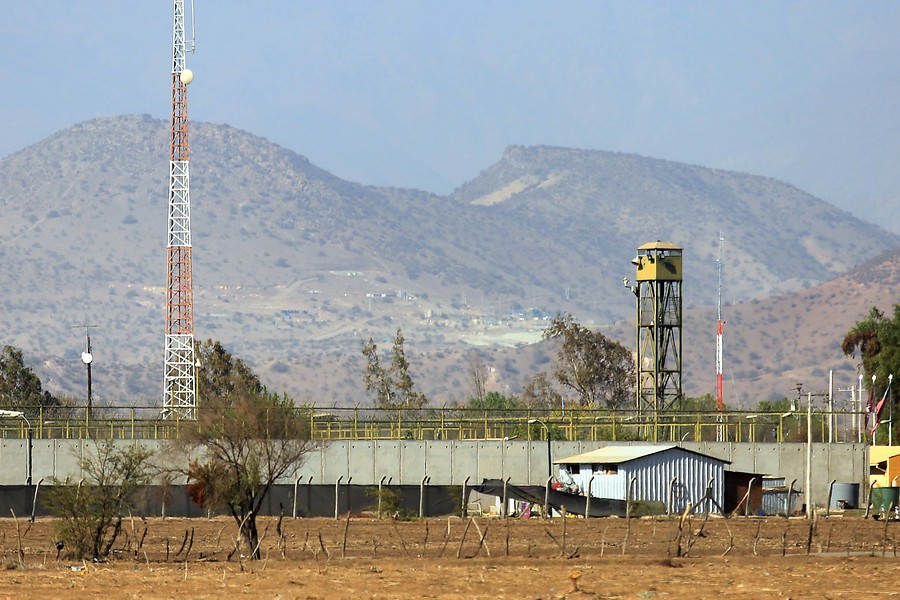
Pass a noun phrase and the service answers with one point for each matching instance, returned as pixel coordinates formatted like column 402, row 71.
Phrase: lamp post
column 547, row 430
column 30, row 436
column 87, row 358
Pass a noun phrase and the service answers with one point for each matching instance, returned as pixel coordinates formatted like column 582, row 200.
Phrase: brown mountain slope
column 771, row 345
column 294, row 266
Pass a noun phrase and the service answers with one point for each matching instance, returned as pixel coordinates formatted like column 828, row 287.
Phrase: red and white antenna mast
column 720, row 395
column 180, row 389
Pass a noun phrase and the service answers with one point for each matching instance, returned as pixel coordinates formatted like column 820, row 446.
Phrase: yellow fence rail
column 581, row 424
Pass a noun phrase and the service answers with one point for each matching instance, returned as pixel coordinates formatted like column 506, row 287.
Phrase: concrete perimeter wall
column 452, row 462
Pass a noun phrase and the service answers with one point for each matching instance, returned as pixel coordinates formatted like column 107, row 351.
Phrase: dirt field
column 532, row 559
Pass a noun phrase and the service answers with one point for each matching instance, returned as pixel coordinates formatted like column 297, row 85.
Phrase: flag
column 879, row 406
column 870, row 408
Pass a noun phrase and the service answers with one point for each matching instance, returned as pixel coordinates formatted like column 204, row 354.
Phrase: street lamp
column 20, row 414
column 547, row 430
column 87, row 358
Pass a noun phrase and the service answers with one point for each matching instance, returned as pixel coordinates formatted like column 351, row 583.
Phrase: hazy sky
column 427, row 94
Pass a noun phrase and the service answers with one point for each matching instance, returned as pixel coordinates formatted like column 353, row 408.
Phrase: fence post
column 337, row 495
column 464, row 510
column 708, row 496
column 628, row 497
column 547, row 498
column 830, row 490
column 380, row 486
column 749, row 494
column 789, row 501
column 587, row 498
column 34, row 501
column 425, row 480
column 671, row 496
column 869, row 499
column 296, row 490
column 505, row 511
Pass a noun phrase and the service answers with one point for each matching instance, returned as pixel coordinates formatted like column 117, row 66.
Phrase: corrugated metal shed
column 665, row 473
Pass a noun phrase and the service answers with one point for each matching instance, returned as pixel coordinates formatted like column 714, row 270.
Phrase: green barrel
column 885, row 498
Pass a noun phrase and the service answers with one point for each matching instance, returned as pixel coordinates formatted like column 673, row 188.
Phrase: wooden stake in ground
column 397, row 531
column 756, row 539
column 463, row 538
column 322, row 546
column 279, row 529
column 446, row 539
column 628, row 529
column 507, row 537
column 20, row 554
column 730, row 539
column 481, row 542
column 344, row 541
column 684, row 519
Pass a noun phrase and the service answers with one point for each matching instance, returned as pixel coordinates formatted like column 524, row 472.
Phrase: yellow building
column 884, row 466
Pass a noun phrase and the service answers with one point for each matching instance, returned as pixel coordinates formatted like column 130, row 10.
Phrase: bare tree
column 236, row 450
column 479, row 375
column 90, row 513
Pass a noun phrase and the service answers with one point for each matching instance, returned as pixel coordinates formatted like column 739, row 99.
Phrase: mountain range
column 295, row 267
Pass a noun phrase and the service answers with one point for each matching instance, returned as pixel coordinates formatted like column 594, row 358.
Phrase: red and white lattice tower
column 180, row 390
column 720, row 392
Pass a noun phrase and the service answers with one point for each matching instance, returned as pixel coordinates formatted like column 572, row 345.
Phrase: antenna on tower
column 180, row 383
column 193, row 30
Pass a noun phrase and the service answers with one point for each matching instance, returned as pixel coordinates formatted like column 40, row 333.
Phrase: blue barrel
column 844, row 495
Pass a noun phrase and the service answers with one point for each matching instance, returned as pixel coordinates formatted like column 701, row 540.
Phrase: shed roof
column 658, row 245
column 622, row 454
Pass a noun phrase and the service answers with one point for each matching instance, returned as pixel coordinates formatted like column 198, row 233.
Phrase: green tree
column 20, row 387
column 378, row 379
column 877, row 339
column 90, row 513
column 494, row 401
column 220, row 374
column 540, row 393
column 775, row 415
column 393, row 387
column 241, row 445
column 599, row 370
column 704, row 403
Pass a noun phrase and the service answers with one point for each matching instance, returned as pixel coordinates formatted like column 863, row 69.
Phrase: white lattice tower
column 180, row 389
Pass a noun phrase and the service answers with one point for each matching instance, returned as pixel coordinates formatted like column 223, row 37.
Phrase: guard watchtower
column 658, row 327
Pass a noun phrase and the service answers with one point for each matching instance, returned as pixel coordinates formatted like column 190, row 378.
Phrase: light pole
column 87, row 358
column 30, row 436
column 547, row 430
